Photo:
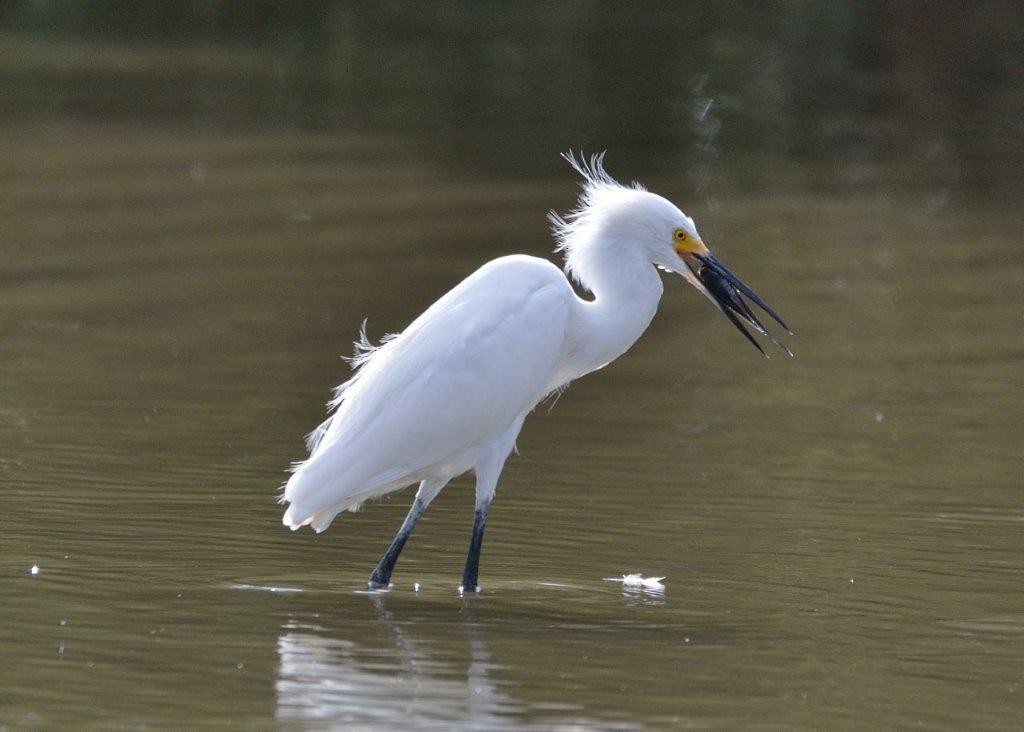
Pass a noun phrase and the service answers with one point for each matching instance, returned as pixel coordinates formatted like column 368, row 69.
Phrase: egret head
column 613, row 220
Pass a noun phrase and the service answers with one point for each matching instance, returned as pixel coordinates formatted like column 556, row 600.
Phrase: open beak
column 727, row 290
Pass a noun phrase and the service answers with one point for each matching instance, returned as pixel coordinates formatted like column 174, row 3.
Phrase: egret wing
column 458, row 376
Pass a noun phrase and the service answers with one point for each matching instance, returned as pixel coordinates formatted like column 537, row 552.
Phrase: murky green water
column 843, row 532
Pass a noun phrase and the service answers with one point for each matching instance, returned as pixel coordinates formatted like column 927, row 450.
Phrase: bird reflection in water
column 407, row 681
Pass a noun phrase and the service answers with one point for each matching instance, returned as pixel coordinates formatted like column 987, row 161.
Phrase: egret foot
column 380, row 579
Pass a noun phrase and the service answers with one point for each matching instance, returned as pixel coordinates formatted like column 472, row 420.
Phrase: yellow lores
column 687, row 243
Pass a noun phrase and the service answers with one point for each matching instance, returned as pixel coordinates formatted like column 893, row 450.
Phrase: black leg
column 469, row 576
column 381, row 577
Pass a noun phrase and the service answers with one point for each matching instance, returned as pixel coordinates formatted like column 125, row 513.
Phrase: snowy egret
column 449, row 393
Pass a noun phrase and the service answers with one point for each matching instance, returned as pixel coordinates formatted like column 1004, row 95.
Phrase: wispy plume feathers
column 600, row 192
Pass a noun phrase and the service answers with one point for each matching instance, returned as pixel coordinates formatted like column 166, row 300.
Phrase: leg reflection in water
column 429, row 667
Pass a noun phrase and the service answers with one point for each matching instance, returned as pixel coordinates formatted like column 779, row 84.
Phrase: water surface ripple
column 841, row 532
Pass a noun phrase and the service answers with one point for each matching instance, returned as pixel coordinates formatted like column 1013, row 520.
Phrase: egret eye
column 680, row 235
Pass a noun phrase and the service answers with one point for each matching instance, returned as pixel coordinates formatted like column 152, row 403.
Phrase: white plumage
column 450, row 393
column 431, row 402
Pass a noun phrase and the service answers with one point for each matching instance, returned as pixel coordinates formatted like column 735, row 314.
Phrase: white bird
column 449, row 393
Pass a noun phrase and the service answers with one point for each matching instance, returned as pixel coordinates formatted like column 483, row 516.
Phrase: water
column 841, row 532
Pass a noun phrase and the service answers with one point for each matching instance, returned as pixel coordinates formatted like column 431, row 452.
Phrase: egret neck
column 626, row 289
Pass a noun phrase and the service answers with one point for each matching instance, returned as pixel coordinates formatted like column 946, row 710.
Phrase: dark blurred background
column 932, row 88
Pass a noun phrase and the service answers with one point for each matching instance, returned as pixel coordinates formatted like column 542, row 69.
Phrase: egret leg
column 381, row 577
column 469, row 576
column 490, row 461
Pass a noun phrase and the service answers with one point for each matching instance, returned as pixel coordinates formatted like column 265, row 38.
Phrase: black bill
column 727, row 290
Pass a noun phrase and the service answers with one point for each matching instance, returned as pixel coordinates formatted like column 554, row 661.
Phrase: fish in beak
column 727, row 290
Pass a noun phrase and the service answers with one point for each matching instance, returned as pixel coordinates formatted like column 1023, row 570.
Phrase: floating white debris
column 415, row 586
column 638, row 580
column 34, row 569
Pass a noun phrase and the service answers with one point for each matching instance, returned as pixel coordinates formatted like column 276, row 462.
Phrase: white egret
column 449, row 393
